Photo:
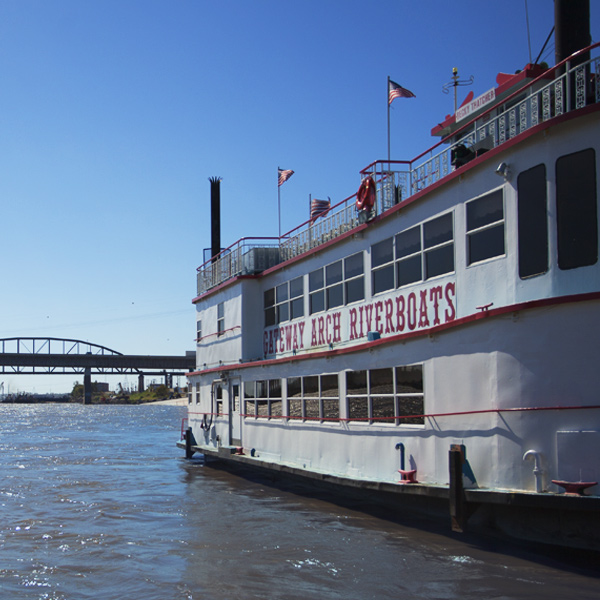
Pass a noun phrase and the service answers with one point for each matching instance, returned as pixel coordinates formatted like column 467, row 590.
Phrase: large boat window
column 284, row 302
column 198, row 330
column 382, row 265
column 354, row 279
column 532, row 222
column 263, row 398
column 485, row 227
column 418, row 253
column 337, row 284
column 438, row 242
column 387, row 395
column 576, row 209
column 313, row 397
column 410, row 399
column 408, row 252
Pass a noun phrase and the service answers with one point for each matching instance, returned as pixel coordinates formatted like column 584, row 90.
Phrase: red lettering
column 423, row 318
column 266, row 343
column 337, row 327
column 378, row 311
column 369, row 316
column 313, row 339
column 389, row 311
column 353, row 315
column 435, row 294
column 281, row 339
column 301, row 328
column 400, row 319
column 450, row 293
column 271, row 342
column 321, row 331
column 327, row 332
column 360, row 310
column 412, row 311
column 288, row 336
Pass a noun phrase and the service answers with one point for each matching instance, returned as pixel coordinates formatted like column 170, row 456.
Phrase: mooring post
column 188, row 443
column 456, row 493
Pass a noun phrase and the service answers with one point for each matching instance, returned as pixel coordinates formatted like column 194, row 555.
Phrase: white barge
column 441, row 343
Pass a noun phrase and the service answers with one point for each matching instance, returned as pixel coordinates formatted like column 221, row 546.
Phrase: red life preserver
column 365, row 197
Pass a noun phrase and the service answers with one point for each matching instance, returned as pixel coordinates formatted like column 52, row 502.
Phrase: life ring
column 365, row 197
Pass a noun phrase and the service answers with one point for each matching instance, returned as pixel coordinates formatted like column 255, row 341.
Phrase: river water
column 97, row 502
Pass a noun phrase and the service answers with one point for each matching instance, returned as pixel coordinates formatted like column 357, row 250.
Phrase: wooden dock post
column 456, row 492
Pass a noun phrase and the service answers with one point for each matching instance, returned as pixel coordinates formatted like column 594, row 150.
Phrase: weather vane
column 455, row 83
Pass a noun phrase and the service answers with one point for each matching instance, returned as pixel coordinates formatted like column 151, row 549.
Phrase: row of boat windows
column 427, row 250
column 388, row 395
column 416, row 254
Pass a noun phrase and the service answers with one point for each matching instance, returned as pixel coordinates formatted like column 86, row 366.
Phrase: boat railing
column 247, row 256
column 570, row 85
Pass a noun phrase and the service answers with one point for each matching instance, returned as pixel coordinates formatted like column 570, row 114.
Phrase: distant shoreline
column 172, row 402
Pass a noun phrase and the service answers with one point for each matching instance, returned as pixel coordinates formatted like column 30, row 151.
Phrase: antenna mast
column 455, row 83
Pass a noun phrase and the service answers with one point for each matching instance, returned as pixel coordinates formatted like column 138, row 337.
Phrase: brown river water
column 97, row 502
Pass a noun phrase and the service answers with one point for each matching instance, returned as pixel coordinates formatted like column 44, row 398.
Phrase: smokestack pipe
column 215, row 216
column 571, row 29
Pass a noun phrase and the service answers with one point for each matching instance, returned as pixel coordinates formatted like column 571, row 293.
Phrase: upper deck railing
column 561, row 89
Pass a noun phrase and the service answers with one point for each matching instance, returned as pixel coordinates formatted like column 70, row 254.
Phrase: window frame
column 328, row 286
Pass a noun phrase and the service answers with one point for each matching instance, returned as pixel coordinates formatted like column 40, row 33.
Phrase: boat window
column 409, row 395
column 313, row 397
column 485, row 227
column 438, row 242
column 221, row 318
column 263, row 398
column 381, row 390
column 532, row 222
column 337, row 284
column 284, row 302
column 269, row 307
column 296, row 298
column 382, row 274
column 576, row 209
column 249, row 398
column 354, row 278
column 408, row 252
column 316, row 291
column 387, row 395
column 198, row 330
column 334, row 289
column 294, row 394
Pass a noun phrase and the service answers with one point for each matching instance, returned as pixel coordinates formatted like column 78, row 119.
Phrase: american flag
column 283, row 175
column 397, row 91
column 319, row 208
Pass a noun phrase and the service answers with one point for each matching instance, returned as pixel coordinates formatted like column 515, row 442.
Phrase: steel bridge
column 57, row 356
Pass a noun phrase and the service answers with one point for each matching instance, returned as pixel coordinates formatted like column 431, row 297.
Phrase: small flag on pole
column 397, row 91
column 283, row 175
column 319, row 208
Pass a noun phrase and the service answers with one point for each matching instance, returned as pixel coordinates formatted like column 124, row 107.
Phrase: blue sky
column 114, row 114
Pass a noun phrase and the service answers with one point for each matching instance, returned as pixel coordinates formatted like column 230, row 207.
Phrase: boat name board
column 468, row 109
column 390, row 314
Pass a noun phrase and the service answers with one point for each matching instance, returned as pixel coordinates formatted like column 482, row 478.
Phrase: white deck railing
column 559, row 90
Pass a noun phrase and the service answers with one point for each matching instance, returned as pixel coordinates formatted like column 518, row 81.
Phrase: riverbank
column 171, row 402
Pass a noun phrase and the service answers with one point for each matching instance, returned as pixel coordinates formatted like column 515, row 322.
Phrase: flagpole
column 279, row 204
column 388, row 119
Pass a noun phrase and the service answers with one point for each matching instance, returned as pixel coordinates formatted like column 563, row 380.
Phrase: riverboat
column 433, row 337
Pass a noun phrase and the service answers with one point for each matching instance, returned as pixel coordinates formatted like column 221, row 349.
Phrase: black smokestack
column 215, row 216
column 571, row 28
